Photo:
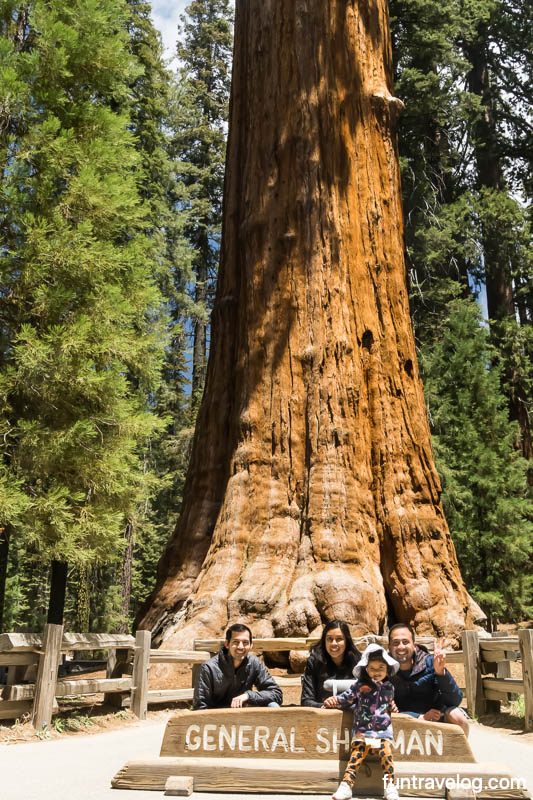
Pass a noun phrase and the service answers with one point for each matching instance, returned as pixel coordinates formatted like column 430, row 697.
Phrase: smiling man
column 423, row 687
column 227, row 679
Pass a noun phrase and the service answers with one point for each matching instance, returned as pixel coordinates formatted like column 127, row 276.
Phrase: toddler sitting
column 371, row 697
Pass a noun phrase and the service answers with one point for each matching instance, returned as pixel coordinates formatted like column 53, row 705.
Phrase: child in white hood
column 370, row 697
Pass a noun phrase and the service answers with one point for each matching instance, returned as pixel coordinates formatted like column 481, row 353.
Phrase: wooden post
column 111, row 662
column 474, row 687
column 525, row 639
column 194, row 676
column 45, row 685
column 141, row 665
column 117, row 661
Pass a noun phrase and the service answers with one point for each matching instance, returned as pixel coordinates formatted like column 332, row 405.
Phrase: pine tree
column 485, row 492
column 501, row 60
column 158, row 111
column 196, row 115
column 81, row 338
column 200, row 144
column 150, row 105
column 462, row 71
column 13, row 504
column 439, row 217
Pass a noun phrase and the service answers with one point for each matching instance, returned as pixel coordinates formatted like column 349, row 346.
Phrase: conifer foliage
column 81, row 346
column 485, row 493
column 466, row 142
column 465, row 145
column 110, row 217
column 199, row 148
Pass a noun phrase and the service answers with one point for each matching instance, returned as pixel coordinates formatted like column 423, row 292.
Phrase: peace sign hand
column 439, row 656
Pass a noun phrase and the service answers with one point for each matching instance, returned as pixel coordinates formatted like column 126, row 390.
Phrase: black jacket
column 317, row 671
column 422, row 689
column 219, row 682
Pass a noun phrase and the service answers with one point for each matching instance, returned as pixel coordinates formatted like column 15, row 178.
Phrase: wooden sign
column 304, row 751
column 302, row 733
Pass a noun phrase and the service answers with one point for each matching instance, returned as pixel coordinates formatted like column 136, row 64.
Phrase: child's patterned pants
column 360, row 751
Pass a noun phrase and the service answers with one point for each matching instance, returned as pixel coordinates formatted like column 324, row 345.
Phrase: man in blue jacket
column 227, row 679
column 423, row 687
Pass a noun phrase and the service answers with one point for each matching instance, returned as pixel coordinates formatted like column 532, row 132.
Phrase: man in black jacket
column 227, row 679
column 423, row 687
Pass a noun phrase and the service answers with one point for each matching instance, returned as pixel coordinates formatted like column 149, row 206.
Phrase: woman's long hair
column 351, row 654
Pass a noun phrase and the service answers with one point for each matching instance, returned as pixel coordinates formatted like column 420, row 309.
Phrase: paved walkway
column 81, row 767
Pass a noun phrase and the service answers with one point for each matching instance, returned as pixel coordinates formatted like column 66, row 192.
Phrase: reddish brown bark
column 312, row 491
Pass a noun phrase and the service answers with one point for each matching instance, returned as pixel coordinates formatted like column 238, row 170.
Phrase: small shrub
column 123, row 714
column 58, row 724
column 517, row 707
column 76, row 722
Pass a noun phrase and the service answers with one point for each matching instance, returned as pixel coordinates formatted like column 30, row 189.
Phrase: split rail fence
column 488, row 672
column 35, row 658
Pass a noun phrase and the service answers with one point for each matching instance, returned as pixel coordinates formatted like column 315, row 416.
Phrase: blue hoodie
column 421, row 688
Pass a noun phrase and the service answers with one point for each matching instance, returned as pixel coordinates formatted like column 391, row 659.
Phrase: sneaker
column 390, row 792
column 344, row 792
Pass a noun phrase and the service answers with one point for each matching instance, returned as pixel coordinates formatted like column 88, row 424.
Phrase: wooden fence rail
column 126, row 657
column 488, row 674
column 141, row 696
column 35, row 657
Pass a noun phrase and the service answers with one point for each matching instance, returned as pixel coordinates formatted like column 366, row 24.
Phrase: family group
column 405, row 679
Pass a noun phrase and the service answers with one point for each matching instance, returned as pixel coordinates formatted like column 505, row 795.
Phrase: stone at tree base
column 312, row 491
column 179, row 786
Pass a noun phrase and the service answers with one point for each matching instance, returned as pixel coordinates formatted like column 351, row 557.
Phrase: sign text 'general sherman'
column 301, row 733
column 265, row 739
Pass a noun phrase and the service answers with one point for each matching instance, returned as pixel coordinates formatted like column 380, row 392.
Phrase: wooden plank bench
column 304, row 750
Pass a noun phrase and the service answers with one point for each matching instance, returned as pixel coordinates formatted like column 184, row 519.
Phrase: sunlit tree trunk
column 125, row 583
column 4, row 553
column 83, row 600
column 312, row 491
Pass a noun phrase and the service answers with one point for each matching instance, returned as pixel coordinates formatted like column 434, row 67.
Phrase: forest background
column 110, row 217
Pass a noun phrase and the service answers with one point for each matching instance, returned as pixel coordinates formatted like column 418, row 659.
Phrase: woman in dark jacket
column 334, row 657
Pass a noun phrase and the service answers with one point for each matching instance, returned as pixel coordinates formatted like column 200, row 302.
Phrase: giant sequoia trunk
column 311, row 491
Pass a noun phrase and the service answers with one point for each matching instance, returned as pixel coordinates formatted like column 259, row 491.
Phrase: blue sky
column 166, row 14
